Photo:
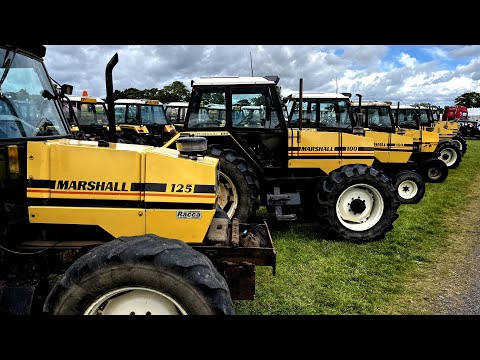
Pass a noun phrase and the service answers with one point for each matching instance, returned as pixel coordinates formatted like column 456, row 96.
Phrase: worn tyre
column 356, row 203
column 239, row 188
column 141, row 275
column 433, row 170
column 410, row 186
column 460, row 141
column 450, row 154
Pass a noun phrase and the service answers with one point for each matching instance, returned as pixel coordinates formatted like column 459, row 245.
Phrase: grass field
column 391, row 276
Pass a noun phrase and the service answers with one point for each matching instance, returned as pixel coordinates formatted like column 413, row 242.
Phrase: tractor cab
column 143, row 121
column 87, row 116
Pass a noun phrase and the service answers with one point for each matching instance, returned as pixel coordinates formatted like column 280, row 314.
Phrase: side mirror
column 66, row 89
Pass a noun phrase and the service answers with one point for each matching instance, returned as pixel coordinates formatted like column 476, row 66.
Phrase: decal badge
column 181, row 214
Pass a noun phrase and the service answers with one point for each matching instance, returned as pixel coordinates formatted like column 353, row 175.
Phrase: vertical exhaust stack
column 300, row 104
column 110, row 102
column 358, row 128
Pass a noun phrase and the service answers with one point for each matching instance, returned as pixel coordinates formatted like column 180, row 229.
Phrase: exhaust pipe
column 110, row 103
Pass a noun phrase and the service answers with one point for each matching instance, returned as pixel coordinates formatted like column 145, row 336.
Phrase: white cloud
column 373, row 70
column 407, row 60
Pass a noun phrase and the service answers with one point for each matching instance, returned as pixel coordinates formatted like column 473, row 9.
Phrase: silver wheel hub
column 360, row 207
column 135, row 301
column 227, row 195
column 407, row 189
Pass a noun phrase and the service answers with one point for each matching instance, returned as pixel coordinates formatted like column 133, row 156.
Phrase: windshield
column 151, row 114
column 136, row 114
column 24, row 112
column 86, row 113
column 322, row 113
column 176, row 113
column 378, row 118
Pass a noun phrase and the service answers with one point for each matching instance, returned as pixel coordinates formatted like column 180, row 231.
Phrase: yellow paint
column 165, row 223
column 128, row 222
column 329, row 150
column 117, row 222
column 428, row 140
column 88, row 100
column 139, row 129
column 391, row 148
column 152, row 102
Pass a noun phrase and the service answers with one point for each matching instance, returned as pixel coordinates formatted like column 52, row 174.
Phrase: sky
column 408, row 74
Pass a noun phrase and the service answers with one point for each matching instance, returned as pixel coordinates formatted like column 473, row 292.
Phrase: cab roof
column 372, row 103
column 138, row 101
column 79, row 98
column 236, row 80
column 324, row 95
column 177, row 104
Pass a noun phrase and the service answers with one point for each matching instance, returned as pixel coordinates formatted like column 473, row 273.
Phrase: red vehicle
column 455, row 112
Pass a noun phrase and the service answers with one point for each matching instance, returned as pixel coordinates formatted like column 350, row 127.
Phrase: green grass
column 390, row 276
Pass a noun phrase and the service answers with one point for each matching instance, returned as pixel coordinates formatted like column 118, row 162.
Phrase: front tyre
column 450, row 154
column 410, row 186
column 461, row 143
column 433, row 170
column 141, row 275
column 356, row 203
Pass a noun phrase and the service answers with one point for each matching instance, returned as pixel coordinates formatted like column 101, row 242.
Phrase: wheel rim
column 407, row 189
column 434, row 173
column 355, row 216
column 227, row 195
column 448, row 156
column 135, row 301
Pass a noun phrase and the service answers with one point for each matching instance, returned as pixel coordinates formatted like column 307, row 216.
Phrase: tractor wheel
column 461, row 143
column 141, row 275
column 433, row 170
column 410, row 186
column 450, row 154
column 357, row 203
column 239, row 189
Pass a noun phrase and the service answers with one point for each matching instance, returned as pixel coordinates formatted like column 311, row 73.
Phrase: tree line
column 469, row 99
column 176, row 91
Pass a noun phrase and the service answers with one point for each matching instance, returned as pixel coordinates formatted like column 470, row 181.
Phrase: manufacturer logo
column 189, row 214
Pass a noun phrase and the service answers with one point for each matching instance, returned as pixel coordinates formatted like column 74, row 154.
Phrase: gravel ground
column 463, row 296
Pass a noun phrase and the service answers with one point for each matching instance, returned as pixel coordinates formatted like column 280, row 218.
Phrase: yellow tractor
column 176, row 112
column 393, row 152
column 143, row 122
column 266, row 161
column 99, row 227
column 448, row 130
column 87, row 116
column 408, row 119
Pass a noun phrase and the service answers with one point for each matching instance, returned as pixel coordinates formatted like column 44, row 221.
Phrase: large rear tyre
column 239, row 188
column 356, row 203
column 450, row 154
column 141, row 275
column 410, row 186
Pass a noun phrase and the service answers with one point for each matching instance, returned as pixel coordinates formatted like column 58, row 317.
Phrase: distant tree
column 243, row 102
column 469, row 99
column 130, row 93
column 258, row 101
column 279, row 91
column 21, row 95
column 176, row 91
column 214, row 98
